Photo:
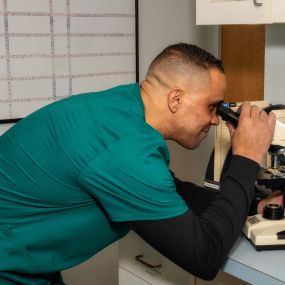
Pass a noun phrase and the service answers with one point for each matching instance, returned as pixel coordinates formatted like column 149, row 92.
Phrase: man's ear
column 174, row 99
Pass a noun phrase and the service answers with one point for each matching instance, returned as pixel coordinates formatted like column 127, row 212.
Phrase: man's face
column 198, row 110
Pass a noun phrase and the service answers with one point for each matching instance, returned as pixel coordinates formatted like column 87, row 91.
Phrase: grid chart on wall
column 51, row 49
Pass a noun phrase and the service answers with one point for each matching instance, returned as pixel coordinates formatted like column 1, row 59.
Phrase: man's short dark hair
column 189, row 54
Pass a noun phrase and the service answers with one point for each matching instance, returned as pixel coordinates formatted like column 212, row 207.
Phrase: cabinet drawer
column 127, row 278
column 133, row 246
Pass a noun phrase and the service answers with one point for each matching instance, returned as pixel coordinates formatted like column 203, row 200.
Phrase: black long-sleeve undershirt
column 200, row 239
column 193, row 194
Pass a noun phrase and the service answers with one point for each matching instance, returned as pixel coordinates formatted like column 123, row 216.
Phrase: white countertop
column 256, row 267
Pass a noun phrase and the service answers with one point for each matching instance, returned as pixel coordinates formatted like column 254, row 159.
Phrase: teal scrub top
column 73, row 172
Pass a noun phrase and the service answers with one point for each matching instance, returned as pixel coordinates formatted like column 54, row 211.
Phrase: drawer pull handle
column 139, row 259
column 257, row 3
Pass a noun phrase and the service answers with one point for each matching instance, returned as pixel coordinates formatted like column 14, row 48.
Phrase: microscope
column 266, row 231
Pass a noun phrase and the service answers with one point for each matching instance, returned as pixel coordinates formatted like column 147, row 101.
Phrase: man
column 79, row 173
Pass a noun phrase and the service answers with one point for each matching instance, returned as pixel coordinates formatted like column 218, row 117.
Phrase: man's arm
column 200, row 244
column 198, row 198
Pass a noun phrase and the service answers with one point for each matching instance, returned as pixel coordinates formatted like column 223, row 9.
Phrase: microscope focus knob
column 273, row 212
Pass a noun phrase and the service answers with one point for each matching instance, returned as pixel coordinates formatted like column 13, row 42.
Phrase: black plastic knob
column 273, row 212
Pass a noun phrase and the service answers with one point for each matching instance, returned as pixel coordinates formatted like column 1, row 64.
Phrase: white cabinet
column 222, row 279
column 278, row 11
column 128, row 278
column 222, row 12
column 134, row 253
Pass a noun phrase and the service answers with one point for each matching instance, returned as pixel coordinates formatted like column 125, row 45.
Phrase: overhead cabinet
column 223, row 12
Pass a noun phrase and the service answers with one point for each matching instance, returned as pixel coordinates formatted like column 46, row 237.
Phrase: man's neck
column 155, row 109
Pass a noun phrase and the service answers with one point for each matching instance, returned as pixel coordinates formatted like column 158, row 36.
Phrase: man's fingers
column 254, row 112
column 230, row 127
column 245, row 109
column 271, row 119
column 254, row 132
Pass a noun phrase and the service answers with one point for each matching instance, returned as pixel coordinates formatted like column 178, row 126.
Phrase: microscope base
column 265, row 234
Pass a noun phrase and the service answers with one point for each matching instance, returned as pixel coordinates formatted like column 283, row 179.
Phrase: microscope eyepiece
column 227, row 114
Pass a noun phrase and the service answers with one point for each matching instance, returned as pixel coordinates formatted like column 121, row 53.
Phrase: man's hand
column 254, row 132
column 274, row 198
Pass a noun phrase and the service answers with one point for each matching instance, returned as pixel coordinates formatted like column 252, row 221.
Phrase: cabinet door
column 133, row 246
column 278, row 11
column 218, row 12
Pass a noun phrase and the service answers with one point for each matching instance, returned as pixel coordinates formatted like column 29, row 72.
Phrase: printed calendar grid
column 60, row 55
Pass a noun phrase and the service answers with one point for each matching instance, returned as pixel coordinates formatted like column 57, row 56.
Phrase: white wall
column 164, row 22
column 274, row 89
